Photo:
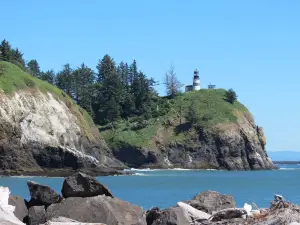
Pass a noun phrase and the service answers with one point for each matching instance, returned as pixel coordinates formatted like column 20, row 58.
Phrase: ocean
column 164, row 188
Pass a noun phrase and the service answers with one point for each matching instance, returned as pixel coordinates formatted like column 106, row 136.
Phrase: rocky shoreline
column 83, row 200
column 65, row 172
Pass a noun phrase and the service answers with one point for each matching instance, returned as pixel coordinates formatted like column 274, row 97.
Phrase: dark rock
column 82, row 185
column 36, row 215
column 98, row 209
column 171, row 216
column 226, row 214
column 21, row 210
column 211, row 201
column 42, row 194
column 231, row 146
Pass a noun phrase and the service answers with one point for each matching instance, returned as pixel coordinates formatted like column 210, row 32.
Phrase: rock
column 7, row 216
column 42, row 131
column 42, row 194
column 36, row 215
column 82, row 185
column 21, row 210
column 194, row 213
column 98, row 209
column 227, row 146
column 211, row 201
column 226, row 214
column 62, row 219
column 171, row 216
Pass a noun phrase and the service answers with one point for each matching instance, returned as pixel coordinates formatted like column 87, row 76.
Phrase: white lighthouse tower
column 196, row 81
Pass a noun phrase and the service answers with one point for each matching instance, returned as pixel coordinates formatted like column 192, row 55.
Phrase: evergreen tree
column 17, row 58
column 106, row 67
column 83, row 78
column 172, row 83
column 34, row 68
column 133, row 73
column 48, row 76
column 112, row 90
column 65, row 80
column 6, row 52
column 123, row 73
column 230, row 96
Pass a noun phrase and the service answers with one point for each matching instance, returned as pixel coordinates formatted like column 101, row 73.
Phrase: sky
column 250, row 46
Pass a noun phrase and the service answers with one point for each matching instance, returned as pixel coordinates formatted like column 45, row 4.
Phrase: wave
column 133, row 169
column 289, row 168
column 180, row 169
column 140, row 174
column 167, row 169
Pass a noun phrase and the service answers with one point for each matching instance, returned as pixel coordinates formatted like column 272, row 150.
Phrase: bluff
column 42, row 129
column 224, row 136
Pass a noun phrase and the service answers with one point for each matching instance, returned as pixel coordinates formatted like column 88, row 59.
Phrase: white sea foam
column 181, row 169
column 133, row 169
column 139, row 174
column 288, row 168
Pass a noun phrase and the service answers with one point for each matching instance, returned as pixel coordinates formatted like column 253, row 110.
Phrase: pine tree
column 48, row 76
column 6, row 52
column 83, row 77
column 111, row 88
column 34, row 68
column 65, row 80
column 230, row 96
column 133, row 72
column 172, row 83
column 106, row 67
column 17, row 58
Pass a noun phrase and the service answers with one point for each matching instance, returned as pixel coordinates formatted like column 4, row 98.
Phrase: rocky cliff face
column 38, row 131
column 230, row 146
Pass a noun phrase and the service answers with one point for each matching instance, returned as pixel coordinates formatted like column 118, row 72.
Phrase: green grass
column 14, row 79
column 212, row 109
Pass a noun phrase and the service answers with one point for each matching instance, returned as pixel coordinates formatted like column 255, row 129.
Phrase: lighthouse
column 196, row 81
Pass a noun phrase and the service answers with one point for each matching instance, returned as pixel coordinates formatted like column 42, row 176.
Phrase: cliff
column 224, row 137
column 42, row 129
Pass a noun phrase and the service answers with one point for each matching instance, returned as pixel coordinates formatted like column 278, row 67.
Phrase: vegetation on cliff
column 184, row 115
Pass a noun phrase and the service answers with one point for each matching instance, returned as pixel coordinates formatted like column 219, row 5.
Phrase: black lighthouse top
column 196, row 74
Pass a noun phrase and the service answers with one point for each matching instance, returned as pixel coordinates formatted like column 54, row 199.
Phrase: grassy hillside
column 14, row 79
column 211, row 108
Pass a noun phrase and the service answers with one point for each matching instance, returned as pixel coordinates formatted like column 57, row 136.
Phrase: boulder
column 194, row 213
column 98, row 209
column 211, row 201
column 62, row 220
column 42, row 195
column 21, row 210
column 83, row 185
column 7, row 216
column 36, row 215
column 171, row 216
column 226, row 214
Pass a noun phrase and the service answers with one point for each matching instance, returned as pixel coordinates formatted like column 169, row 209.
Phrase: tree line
column 112, row 92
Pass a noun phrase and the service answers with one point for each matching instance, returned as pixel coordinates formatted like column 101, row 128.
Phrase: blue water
column 164, row 188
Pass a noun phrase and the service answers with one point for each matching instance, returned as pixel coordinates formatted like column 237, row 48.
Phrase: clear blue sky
column 250, row 46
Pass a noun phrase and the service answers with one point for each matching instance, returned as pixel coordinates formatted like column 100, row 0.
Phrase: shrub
column 230, row 96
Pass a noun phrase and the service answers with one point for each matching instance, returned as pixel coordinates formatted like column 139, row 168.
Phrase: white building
column 196, row 83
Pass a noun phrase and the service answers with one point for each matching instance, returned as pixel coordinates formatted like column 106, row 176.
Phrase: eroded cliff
column 43, row 129
column 226, row 137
